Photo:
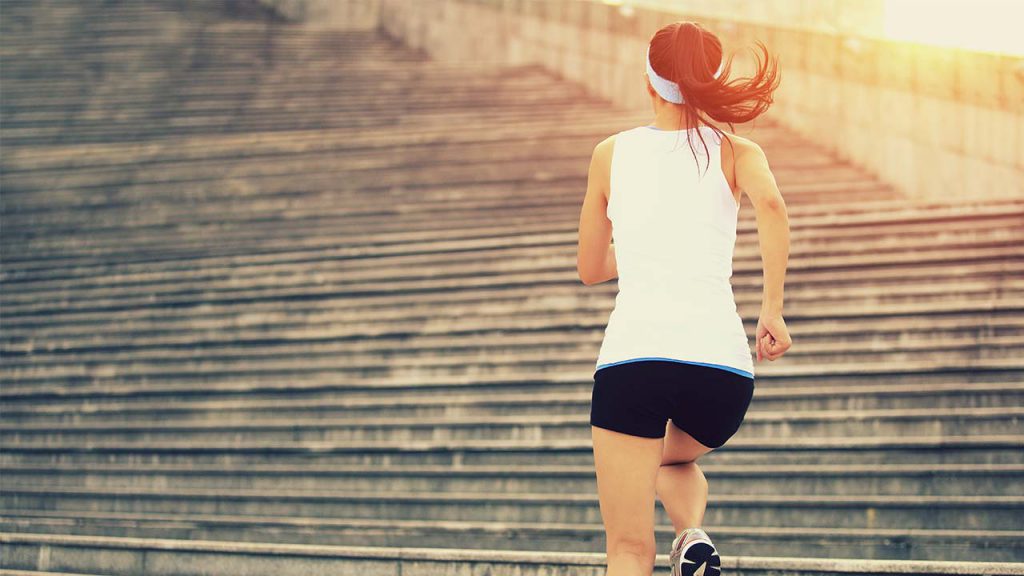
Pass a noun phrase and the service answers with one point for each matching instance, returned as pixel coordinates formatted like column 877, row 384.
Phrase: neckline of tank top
column 656, row 129
column 704, row 130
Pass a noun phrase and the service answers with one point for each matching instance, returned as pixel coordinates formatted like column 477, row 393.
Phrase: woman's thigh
column 681, row 447
column 627, row 468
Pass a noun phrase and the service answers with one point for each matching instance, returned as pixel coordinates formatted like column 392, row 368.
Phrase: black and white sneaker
column 693, row 554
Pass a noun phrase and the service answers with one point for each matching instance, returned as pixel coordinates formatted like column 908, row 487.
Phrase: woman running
column 674, row 375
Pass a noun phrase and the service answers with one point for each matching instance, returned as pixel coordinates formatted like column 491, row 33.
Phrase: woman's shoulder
column 740, row 143
column 604, row 148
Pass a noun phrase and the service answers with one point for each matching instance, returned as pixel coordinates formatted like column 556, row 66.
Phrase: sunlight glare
column 986, row 25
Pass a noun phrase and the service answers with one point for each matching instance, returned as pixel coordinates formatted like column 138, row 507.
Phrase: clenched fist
column 772, row 337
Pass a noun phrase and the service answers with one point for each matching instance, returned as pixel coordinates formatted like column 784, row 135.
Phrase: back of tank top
column 674, row 231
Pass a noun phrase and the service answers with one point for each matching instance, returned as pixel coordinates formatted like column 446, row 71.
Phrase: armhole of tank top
column 611, row 174
column 725, row 179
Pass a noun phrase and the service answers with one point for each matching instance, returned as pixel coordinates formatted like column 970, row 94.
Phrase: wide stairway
column 283, row 301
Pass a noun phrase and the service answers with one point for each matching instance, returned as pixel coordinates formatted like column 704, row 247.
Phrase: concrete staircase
column 283, row 301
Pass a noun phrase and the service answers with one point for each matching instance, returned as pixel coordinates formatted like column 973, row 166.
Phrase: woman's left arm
column 595, row 255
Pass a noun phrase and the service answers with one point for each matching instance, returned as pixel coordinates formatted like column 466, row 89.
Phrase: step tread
column 198, row 408
column 484, row 421
column 523, row 470
column 431, row 497
column 553, row 444
column 510, row 557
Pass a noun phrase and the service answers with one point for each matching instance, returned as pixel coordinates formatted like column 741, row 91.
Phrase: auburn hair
column 688, row 54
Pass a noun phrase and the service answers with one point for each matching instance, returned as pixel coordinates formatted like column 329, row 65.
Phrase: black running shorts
column 639, row 397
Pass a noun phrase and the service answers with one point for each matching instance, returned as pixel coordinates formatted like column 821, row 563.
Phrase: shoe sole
column 700, row 558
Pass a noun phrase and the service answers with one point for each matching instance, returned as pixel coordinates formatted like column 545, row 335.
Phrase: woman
column 674, row 376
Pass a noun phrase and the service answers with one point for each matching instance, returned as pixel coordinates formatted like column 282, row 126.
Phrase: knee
column 693, row 473
column 632, row 545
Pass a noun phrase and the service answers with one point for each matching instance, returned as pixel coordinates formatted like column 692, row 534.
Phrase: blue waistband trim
column 722, row 366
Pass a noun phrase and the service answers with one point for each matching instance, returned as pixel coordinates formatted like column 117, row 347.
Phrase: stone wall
column 335, row 14
column 861, row 17
column 935, row 122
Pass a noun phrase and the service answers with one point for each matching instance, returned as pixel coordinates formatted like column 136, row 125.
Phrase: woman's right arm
column 755, row 178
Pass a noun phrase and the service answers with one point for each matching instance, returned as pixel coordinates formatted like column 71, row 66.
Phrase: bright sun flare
column 988, row 25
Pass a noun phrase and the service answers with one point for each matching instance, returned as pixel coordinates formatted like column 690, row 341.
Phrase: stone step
column 19, row 572
column 69, row 359
column 193, row 556
column 781, row 510
column 395, row 308
column 539, row 89
column 361, row 112
column 945, row 347
column 507, row 339
column 508, row 319
column 507, row 126
column 995, row 242
column 326, row 284
column 194, row 119
column 100, row 163
column 92, row 165
column 390, row 61
column 124, row 44
column 281, row 206
column 758, row 424
column 307, row 119
column 575, row 359
column 808, row 234
column 38, row 573
column 100, row 384
column 60, row 13
column 862, row 450
column 389, row 242
column 73, row 364
column 79, row 172
column 361, row 279
column 289, row 212
column 184, row 241
column 562, row 293
column 126, row 50
column 526, row 400
column 392, row 74
column 450, row 197
column 913, row 348
column 395, row 69
column 32, row 123
column 351, row 83
column 396, row 78
column 418, row 218
column 737, row 479
column 476, row 257
column 145, row 19
column 430, row 351
column 948, row 545
column 810, row 241
column 163, row 180
column 416, row 131
column 911, row 215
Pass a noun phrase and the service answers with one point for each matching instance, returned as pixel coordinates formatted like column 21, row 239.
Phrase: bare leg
column 681, row 484
column 683, row 491
column 627, row 468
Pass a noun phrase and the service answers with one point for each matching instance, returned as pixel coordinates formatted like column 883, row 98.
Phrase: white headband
column 666, row 88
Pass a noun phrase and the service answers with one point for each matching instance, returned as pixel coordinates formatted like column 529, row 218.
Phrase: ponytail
column 688, row 54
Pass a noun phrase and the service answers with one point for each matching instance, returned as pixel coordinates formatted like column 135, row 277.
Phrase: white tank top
column 674, row 231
